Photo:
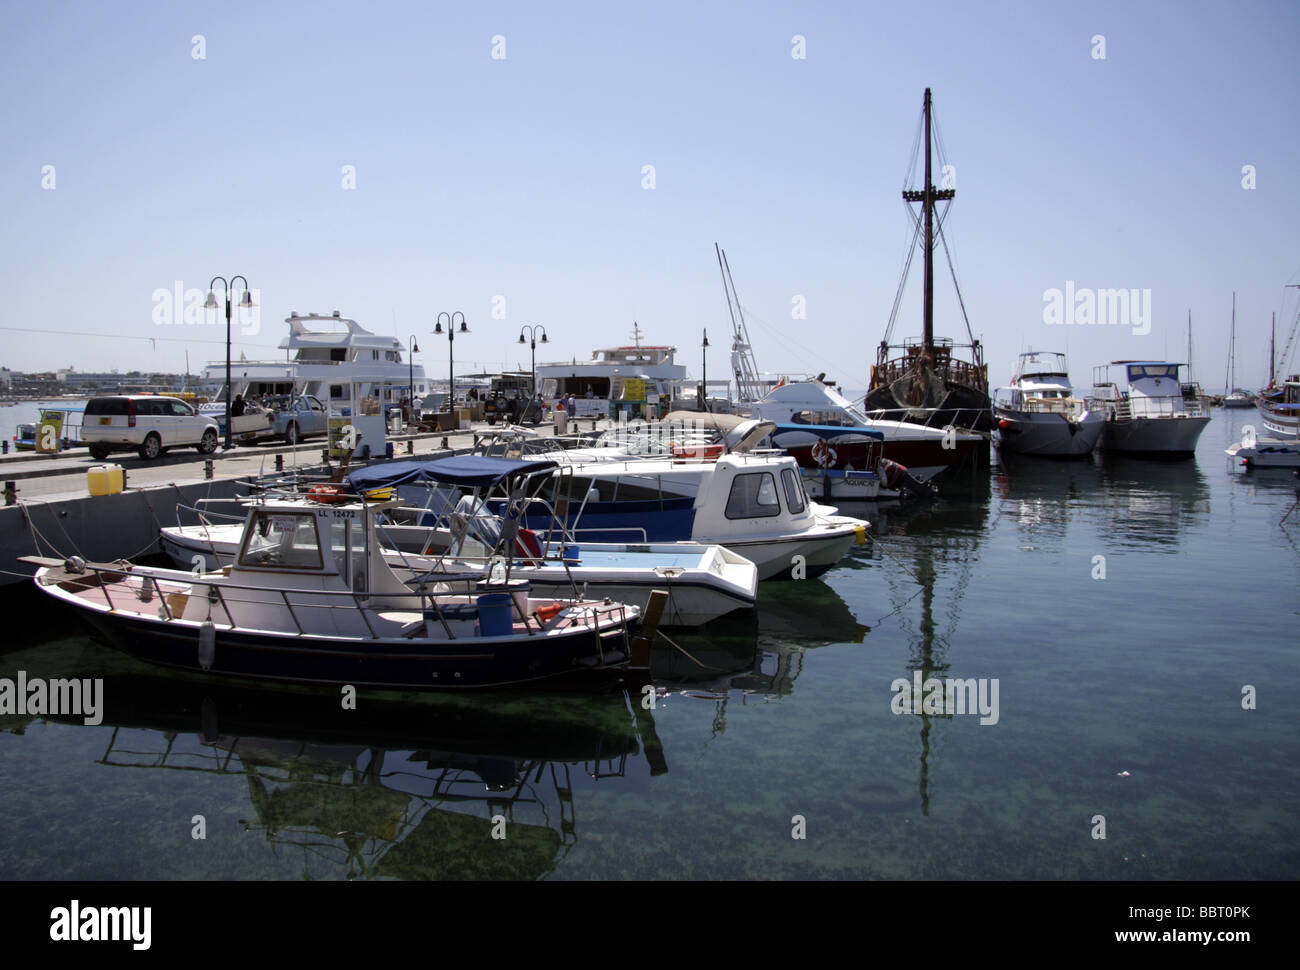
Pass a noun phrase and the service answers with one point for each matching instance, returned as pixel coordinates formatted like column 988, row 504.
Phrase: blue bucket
column 494, row 619
column 573, row 555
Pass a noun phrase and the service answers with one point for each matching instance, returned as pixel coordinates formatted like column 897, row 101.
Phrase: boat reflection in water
column 1152, row 502
column 756, row 656
column 924, row 549
column 402, row 787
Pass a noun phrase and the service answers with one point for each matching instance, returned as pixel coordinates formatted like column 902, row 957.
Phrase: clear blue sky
column 522, row 177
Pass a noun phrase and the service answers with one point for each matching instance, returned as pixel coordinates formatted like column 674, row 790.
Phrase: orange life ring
column 326, row 494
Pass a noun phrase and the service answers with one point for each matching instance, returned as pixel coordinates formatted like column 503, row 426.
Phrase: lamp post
column 451, row 343
column 410, row 368
column 704, row 387
column 245, row 303
column 532, row 341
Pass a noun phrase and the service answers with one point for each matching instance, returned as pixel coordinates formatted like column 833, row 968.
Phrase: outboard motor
column 897, row 477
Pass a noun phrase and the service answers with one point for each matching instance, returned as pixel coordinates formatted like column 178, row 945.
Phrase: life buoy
column 326, row 494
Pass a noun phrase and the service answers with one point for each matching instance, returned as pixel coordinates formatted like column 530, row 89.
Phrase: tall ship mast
column 925, row 381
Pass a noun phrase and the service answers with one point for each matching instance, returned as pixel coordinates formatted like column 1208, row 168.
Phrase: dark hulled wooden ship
column 928, row 380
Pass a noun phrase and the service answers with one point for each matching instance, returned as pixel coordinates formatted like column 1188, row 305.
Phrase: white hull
column 1153, row 436
column 1268, row 453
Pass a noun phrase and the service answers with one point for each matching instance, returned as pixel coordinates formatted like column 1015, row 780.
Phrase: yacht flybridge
column 326, row 356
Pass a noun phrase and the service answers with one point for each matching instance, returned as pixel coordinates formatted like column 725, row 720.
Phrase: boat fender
column 549, row 612
column 207, row 644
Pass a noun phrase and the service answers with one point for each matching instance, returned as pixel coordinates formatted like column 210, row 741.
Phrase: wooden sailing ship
column 927, row 381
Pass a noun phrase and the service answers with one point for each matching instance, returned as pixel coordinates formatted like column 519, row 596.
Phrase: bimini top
column 472, row 471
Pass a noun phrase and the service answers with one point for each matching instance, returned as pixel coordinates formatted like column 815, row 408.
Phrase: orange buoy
column 326, row 494
column 545, row 613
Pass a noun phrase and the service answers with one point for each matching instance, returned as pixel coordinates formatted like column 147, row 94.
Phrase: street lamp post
column 532, row 341
column 704, row 388
column 451, row 360
column 410, row 367
column 245, row 303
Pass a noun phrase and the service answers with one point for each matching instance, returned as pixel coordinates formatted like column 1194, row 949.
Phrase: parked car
column 146, row 423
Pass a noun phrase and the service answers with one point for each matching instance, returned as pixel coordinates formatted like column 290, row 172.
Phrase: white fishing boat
column 456, row 534
column 1038, row 414
column 1279, row 408
column 1150, row 414
column 309, row 598
column 751, row 503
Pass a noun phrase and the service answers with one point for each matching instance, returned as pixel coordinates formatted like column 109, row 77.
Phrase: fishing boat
column 751, row 503
column 1038, row 414
column 311, row 599
column 1150, row 413
column 452, row 531
column 1233, row 396
column 926, row 380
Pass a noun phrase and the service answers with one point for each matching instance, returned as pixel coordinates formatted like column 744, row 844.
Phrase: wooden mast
column 928, row 196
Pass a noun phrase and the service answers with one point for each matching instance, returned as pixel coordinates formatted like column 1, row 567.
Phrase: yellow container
column 105, row 479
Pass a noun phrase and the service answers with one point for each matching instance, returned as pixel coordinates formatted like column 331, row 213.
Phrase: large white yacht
column 1038, row 414
column 641, row 380
column 1154, row 415
column 325, row 356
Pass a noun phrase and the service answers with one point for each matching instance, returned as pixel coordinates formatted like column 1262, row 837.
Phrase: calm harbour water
column 1119, row 697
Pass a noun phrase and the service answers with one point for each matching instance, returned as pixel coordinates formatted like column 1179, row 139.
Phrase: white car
column 147, row 423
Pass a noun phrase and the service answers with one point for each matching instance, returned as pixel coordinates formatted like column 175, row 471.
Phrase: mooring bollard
column 410, row 446
column 207, row 468
column 279, row 463
column 11, row 493
column 324, row 456
column 444, row 444
column 5, row 446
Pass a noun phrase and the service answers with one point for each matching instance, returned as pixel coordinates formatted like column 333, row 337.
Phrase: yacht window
column 794, row 496
column 280, row 540
column 753, row 496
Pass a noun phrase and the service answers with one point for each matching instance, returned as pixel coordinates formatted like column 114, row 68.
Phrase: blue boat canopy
column 470, row 471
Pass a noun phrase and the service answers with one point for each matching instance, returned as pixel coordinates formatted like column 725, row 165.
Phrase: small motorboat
column 310, row 598
column 703, row 582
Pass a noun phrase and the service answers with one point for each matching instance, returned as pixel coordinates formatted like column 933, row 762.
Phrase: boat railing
column 931, row 415
column 358, row 602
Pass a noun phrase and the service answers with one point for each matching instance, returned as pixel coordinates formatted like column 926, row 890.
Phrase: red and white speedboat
column 924, row 451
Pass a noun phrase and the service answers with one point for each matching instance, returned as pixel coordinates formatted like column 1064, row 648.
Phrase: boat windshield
column 281, row 539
